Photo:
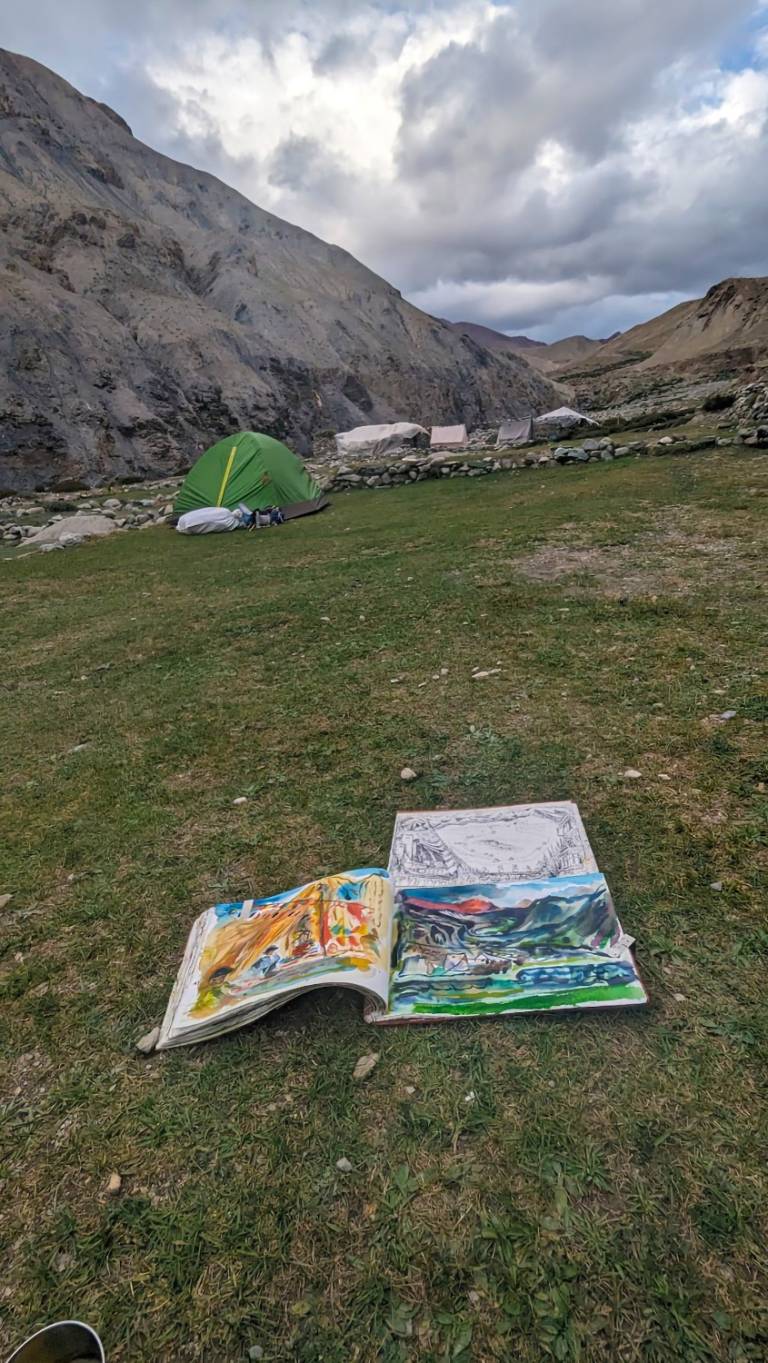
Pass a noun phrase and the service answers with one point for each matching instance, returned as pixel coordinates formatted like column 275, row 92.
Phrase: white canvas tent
column 448, row 435
column 563, row 416
column 365, row 442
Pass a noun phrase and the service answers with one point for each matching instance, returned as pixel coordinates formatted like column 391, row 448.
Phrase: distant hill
column 149, row 309
column 548, row 358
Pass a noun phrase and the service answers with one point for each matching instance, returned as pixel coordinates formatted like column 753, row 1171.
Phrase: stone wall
column 417, row 467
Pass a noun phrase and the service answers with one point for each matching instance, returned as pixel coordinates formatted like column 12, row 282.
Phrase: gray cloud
column 339, row 51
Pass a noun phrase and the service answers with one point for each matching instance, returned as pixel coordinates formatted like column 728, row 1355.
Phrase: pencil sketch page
column 508, row 843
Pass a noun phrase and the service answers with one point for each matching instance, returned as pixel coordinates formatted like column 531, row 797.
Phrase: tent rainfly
column 448, row 435
column 254, row 470
column 515, row 432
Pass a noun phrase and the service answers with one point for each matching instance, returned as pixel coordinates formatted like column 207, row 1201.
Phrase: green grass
column 575, row 1187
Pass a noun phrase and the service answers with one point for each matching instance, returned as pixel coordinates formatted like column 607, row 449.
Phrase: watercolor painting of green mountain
column 531, row 946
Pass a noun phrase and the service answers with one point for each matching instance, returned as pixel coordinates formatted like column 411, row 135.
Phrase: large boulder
column 82, row 526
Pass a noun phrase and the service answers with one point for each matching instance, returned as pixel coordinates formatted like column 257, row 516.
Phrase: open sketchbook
column 481, row 912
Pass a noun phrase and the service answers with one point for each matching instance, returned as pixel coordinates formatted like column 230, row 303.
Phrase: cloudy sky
column 544, row 166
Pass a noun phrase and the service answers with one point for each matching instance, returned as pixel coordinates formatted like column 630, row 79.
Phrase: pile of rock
column 324, row 446
column 751, row 405
column 49, row 521
column 751, row 411
column 483, row 438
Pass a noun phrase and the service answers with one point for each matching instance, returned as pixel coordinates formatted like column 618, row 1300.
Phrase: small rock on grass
column 716, row 885
column 632, row 774
column 343, row 1165
column 5, row 899
column 727, row 714
column 241, row 800
column 365, row 1064
column 408, row 774
column 146, row 1044
column 114, row 1185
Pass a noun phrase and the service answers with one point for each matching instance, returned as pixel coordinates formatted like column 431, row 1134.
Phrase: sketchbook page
column 243, row 958
column 473, row 846
column 479, row 950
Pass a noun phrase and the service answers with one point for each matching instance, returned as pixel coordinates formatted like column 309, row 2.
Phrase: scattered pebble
column 394, row 680
column 79, row 747
column 343, row 1165
column 114, row 1185
column 5, row 899
column 241, row 800
column 632, row 774
column 489, row 672
column 679, row 998
column 365, row 1064
column 470, row 1097
column 408, row 774
column 326, row 619
column 727, row 714
column 410, row 1090
column 716, row 885
column 664, row 776
column 146, row 1044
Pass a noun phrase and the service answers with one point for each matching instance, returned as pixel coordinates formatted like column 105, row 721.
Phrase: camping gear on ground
column 515, row 432
column 366, row 442
column 481, row 912
column 68, row 1341
column 271, row 515
column 448, row 435
column 254, row 470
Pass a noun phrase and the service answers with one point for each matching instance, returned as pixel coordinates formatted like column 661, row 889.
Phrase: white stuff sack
column 208, row 520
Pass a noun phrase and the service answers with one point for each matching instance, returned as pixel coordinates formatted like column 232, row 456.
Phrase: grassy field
column 584, row 1187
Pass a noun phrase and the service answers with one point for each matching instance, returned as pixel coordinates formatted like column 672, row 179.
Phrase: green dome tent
column 253, row 469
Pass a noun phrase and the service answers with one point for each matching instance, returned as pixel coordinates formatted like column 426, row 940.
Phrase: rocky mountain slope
column 148, row 309
column 721, row 337
column 731, row 317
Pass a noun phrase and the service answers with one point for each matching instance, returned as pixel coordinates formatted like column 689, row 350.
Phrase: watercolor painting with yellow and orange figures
column 337, row 924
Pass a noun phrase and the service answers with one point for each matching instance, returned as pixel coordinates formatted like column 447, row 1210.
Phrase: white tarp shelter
column 448, row 435
column 366, row 441
column 563, row 416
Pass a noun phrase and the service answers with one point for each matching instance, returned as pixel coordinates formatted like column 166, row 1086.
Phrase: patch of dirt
column 674, row 561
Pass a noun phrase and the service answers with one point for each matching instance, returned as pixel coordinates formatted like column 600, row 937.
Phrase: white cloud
column 532, row 165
